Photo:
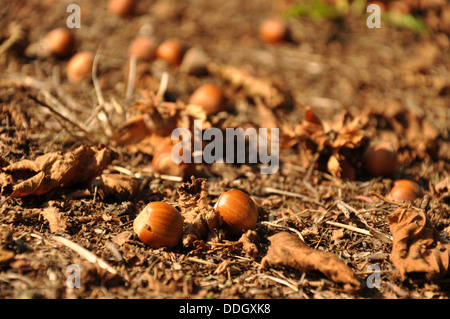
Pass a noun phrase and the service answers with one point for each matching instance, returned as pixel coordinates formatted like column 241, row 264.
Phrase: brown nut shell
column 79, row 67
column 380, row 160
column 60, row 42
column 121, row 8
column 405, row 190
column 163, row 164
column 170, row 51
column 210, row 97
column 273, row 30
column 144, row 48
column 159, row 225
column 239, row 212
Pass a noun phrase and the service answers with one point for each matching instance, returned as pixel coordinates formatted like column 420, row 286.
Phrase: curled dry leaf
column 56, row 220
column 417, row 246
column 412, row 125
column 267, row 118
column 336, row 138
column 344, row 131
column 152, row 122
column 55, row 169
column 247, row 239
column 115, row 186
column 199, row 217
column 253, row 86
column 287, row 250
column 443, row 186
column 6, row 255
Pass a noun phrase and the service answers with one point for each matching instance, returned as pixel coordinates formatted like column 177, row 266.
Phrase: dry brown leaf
column 152, row 122
column 247, row 239
column 287, row 250
column 115, row 186
column 122, row 237
column 343, row 132
column 268, row 119
column 254, row 86
column 397, row 120
column 6, row 255
column 199, row 217
column 54, row 170
column 443, row 186
column 339, row 166
column 57, row 221
column 417, row 246
column 333, row 139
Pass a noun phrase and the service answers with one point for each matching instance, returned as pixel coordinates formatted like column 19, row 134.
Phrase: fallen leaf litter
column 319, row 226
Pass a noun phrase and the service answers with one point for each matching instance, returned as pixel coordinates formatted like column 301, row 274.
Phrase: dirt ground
column 394, row 78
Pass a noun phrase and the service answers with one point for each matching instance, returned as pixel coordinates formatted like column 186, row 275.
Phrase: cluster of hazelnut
column 160, row 224
column 60, row 42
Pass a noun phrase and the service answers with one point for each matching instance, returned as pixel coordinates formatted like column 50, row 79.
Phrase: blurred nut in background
column 144, row 48
column 170, row 51
column 210, row 97
column 79, row 67
column 380, row 160
column 121, row 8
column 273, row 30
column 60, row 42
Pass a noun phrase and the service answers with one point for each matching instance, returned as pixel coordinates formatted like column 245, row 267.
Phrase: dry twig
column 85, row 253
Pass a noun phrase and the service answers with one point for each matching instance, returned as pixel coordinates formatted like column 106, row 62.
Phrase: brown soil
column 395, row 78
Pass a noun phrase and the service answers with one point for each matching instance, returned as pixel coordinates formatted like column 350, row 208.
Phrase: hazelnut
column 170, row 51
column 380, row 160
column 163, row 164
column 159, row 225
column 210, row 97
column 405, row 190
column 239, row 212
column 79, row 67
column 273, row 30
column 60, row 42
column 121, row 8
column 144, row 48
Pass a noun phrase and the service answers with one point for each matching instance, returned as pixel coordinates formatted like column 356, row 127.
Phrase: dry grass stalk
column 85, row 254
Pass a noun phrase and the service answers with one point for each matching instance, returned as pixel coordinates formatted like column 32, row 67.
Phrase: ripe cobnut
column 405, row 190
column 159, row 225
column 164, row 164
column 239, row 212
column 380, row 160
column 144, row 48
column 121, row 8
column 273, row 30
column 60, row 42
column 210, row 97
column 79, row 67
column 170, row 51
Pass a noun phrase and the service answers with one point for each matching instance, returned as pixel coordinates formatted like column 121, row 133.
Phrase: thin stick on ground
column 280, row 281
column 65, row 116
column 102, row 114
column 85, row 253
column 98, row 90
column 163, row 85
column 282, row 192
column 352, row 228
column 131, row 77
column 284, row 227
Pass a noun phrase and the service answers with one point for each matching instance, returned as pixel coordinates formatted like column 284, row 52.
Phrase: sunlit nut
column 79, row 67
